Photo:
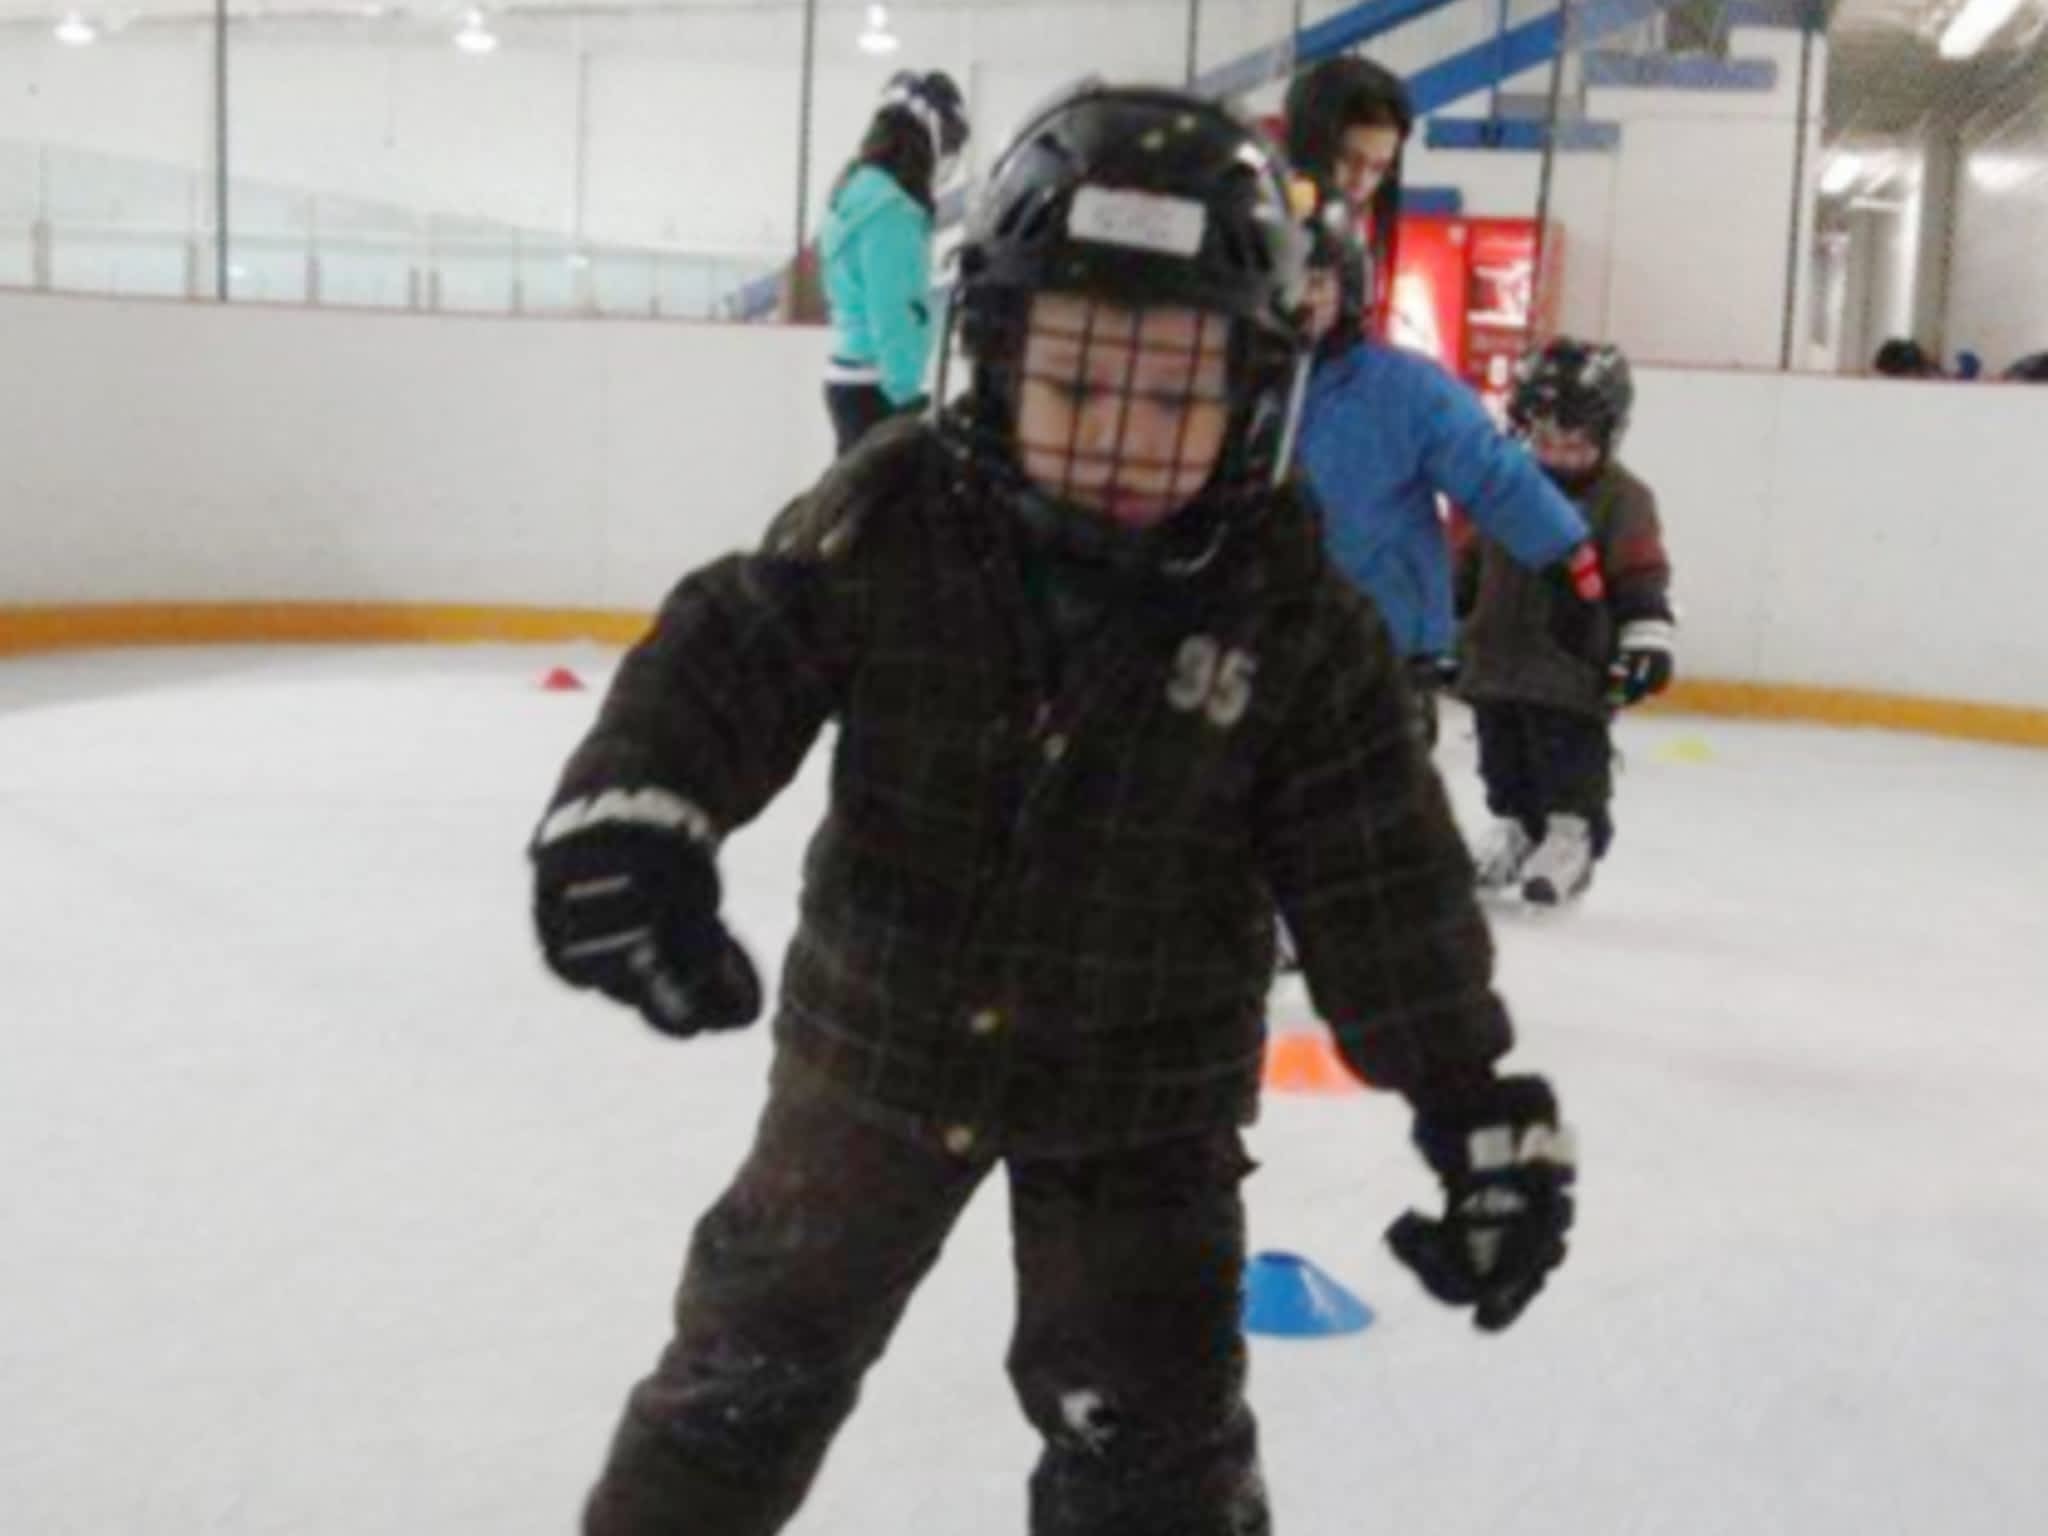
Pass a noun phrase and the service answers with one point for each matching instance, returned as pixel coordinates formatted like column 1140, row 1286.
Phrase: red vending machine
column 1465, row 293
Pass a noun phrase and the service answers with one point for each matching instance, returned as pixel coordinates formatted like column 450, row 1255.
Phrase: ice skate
column 1562, row 865
column 1500, row 853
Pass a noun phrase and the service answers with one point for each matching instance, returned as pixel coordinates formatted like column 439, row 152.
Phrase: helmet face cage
column 1122, row 430
column 1087, row 368
column 1107, row 362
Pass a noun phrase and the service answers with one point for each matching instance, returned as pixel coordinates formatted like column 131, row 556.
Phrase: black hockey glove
column 1642, row 662
column 626, row 901
column 1507, row 1168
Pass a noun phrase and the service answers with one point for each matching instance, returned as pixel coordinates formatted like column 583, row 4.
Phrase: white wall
column 175, row 452
column 1856, row 533
column 1998, row 273
column 1833, row 532
column 143, row 96
column 1884, row 274
column 1899, row 262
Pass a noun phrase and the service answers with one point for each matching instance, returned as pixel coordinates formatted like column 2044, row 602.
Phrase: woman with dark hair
column 877, row 250
column 1348, row 120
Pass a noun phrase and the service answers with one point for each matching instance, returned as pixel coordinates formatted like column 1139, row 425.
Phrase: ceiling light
column 474, row 36
column 1974, row 25
column 1843, row 171
column 1996, row 172
column 74, row 31
column 878, row 39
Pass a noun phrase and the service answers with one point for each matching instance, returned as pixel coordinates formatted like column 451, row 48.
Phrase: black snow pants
column 1127, row 1354
column 1537, row 761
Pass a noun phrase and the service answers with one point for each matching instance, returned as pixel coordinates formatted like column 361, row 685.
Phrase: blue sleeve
column 1503, row 489
column 896, row 271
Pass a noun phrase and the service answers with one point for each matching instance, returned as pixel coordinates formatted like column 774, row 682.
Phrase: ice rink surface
column 328, row 1214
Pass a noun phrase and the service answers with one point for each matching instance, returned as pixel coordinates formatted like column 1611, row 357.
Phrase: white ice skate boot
column 1285, row 961
column 1562, row 865
column 1500, row 853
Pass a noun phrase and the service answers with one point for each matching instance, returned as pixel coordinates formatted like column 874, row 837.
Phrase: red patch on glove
column 1584, row 566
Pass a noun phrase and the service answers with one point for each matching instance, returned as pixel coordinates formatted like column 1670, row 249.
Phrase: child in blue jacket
column 1387, row 432
column 877, row 252
column 1384, row 434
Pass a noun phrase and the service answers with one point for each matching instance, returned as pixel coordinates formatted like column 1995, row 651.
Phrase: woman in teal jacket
column 877, row 251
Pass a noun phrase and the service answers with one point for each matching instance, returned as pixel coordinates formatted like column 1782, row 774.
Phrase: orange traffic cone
column 1308, row 1063
column 561, row 680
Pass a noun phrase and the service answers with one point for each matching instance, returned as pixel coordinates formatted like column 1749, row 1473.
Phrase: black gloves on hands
column 1642, row 661
column 1507, row 1168
column 626, row 901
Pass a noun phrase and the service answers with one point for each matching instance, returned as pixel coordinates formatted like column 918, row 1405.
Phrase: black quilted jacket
column 1039, row 913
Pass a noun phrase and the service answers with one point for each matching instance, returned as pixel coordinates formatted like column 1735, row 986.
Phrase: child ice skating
column 1548, row 657
column 1101, row 704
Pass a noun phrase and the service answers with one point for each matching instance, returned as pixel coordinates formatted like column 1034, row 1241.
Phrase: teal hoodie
column 877, row 250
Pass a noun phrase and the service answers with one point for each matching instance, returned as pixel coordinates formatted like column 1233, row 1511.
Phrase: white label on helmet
column 1139, row 221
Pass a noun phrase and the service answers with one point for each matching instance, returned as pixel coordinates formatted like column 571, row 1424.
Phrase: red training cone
column 561, row 680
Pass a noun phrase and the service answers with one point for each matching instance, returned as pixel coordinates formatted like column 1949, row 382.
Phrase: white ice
column 327, row 1213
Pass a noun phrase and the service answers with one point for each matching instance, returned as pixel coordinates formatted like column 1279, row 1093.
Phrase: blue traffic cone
column 1287, row 1297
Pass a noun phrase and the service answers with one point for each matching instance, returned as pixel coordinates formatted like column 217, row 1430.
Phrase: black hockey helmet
column 1141, row 197
column 935, row 101
column 1581, row 385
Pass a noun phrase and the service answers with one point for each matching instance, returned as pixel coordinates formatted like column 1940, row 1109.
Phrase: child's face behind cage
column 1564, row 450
column 1123, row 411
